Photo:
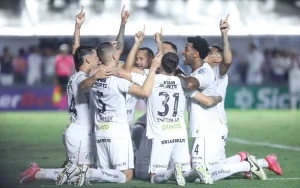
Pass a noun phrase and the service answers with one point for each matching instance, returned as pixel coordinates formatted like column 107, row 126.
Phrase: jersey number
column 102, row 108
column 72, row 108
column 166, row 106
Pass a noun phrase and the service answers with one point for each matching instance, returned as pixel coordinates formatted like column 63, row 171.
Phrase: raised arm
column 147, row 86
column 76, row 38
column 227, row 56
column 120, row 37
column 138, row 39
column 158, row 40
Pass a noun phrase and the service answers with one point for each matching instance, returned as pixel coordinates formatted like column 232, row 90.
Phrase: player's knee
column 129, row 174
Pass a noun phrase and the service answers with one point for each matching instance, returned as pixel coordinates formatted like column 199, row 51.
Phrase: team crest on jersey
column 201, row 71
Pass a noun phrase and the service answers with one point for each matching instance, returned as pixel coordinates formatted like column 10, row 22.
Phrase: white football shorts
column 78, row 144
column 166, row 150
column 114, row 153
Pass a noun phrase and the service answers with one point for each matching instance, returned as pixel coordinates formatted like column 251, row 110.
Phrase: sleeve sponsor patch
column 202, row 71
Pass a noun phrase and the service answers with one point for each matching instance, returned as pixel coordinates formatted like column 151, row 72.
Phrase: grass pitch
column 36, row 137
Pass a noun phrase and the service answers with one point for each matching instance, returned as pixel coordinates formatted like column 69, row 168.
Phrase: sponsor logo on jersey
column 170, row 141
column 103, row 140
column 201, row 71
column 171, row 126
column 101, row 83
column 169, row 84
column 102, row 127
column 168, row 119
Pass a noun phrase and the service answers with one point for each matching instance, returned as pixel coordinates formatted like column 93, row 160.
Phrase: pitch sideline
column 266, row 144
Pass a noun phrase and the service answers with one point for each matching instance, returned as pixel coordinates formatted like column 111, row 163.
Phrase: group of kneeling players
column 103, row 145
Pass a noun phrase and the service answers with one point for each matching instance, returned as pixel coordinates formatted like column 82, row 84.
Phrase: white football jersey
column 131, row 101
column 109, row 97
column 78, row 101
column 222, row 83
column 165, row 107
column 204, row 120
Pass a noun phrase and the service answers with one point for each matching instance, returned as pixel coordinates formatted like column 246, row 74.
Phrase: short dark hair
column 200, row 44
column 218, row 47
column 149, row 51
column 102, row 51
column 80, row 52
column 172, row 44
column 169, row 62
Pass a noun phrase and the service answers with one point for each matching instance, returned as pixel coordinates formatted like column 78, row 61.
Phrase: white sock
column 262, row 163
column 222, row 171
column 231, row 160
column 49, row 173
column 108, row 175
column 91, row 179
column 190, row 176
column 163, row 176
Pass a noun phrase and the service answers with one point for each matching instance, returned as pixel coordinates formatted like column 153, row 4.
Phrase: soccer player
column 114, row 146
column 205, row 127
column 221, row 58
column 77, row 139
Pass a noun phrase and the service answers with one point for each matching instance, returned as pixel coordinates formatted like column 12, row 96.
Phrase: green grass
column 36, row 136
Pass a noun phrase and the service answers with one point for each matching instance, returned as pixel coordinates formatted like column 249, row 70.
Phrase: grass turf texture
column 36, row 137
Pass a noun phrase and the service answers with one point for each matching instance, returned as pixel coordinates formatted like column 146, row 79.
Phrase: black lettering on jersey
column 101, row 83
column 167, row 119
column 169, row 84
column 72, row 110
column 170, row 141
column 103, row 140
column 129, row 111
column 101, row 118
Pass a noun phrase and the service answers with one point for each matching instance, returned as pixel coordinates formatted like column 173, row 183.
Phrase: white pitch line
column 267, row 144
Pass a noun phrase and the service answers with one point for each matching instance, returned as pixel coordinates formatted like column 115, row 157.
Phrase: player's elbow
column 192, row 84
column 145, row 94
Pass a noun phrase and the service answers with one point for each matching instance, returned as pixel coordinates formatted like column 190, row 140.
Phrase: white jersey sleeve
column 165, row 109
column 110, row 101
column 138, row 79
column 203, row 76
column 78, row 101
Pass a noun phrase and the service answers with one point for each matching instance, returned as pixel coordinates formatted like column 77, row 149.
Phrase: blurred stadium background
column 264, row 38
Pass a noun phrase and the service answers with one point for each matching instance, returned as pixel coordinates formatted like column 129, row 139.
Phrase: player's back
column 110, row 101
column 78, row 107
column 165, row 108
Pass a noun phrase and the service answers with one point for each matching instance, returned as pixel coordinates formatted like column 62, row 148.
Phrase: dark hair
column 169, row 62
column 21, row 52
column 102, row 51
column 218, row 47
column 172, row 44
column 80, row 52
column 200, row 44
column 149, row 51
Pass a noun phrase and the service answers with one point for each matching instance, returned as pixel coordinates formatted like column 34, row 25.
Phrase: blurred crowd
column 36, row 66
column 268, row 66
